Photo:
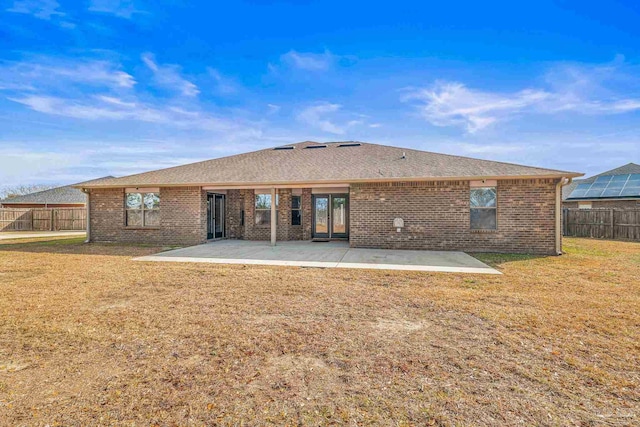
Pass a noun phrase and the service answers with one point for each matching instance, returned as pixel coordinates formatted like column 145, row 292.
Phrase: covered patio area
column 333, row 254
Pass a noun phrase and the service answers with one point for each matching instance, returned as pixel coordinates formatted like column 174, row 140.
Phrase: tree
column 21, row 190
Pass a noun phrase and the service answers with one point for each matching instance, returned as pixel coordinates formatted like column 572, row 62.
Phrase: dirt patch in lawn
column 88, row 337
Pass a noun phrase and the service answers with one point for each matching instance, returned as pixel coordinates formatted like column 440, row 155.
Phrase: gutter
column 305, row 184
column 88, row 193
column 561, row 183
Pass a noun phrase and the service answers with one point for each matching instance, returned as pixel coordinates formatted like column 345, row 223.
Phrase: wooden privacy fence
column 616, row 224
column 43, row 219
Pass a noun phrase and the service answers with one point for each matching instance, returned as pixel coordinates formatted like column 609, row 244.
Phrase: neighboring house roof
column 59, row 195
column 54, row 196
column 330, row 163
column 628, row 169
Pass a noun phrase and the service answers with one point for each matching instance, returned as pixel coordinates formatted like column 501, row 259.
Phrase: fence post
column 613, row 229
column 611, row 223
column 51, row 227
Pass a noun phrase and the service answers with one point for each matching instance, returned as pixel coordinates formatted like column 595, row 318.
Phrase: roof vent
column 350, row 144
column 316, row 146
column 285, row 147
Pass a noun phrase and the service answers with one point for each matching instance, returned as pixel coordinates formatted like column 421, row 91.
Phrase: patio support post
column 273, row 216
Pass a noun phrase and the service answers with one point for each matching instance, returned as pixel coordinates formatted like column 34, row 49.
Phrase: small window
column 483, row 203
column 263, row 209
column 142, row 209
column 296, row 210
column 584, row 205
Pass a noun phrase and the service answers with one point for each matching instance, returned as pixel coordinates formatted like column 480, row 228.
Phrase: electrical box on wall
column 398, row 223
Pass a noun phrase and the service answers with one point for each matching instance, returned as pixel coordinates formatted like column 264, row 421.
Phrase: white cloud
column 41, row 9
column 120, row 8
column 309, row 61
column 453, row 104
column 168, row 77
column 44, row 73
column 571, row 89
column 273, row 108
column 332, row 118
column 23, row 165
column 316, row 116
column 111, row 108
column 224, row 85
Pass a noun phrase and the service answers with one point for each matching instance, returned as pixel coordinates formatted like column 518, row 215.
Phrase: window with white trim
column 484, row 208
column 142, row 209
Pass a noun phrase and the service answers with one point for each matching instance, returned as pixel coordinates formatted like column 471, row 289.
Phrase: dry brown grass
column 88, row 337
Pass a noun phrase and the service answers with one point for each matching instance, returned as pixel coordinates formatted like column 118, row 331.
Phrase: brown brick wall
column 437, row 214
column 233, row 219
column 285, row 231
column 182, row 218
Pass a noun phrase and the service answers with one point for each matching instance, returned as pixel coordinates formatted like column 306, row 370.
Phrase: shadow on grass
column 76, row 246
column 498, row 260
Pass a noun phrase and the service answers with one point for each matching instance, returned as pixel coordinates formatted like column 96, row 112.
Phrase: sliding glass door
column 215, row 216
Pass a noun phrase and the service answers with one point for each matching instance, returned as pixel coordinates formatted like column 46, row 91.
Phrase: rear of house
column 374, row 196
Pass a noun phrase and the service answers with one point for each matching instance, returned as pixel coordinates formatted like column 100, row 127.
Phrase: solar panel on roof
column 609, row 186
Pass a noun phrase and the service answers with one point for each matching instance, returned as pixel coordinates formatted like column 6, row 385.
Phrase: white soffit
column 329, row 190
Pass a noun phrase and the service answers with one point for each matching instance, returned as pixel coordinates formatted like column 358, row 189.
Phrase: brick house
column 617, row 188
column 374, row 196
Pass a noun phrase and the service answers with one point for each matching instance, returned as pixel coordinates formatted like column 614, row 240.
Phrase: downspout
column 88, row 193
column 561, row 183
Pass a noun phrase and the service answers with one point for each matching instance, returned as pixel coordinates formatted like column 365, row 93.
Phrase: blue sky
column 108, row 87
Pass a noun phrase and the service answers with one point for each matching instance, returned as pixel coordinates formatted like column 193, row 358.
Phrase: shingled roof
column 314, row 162
column 59, row 195
column 54, row 196
column 629, row 168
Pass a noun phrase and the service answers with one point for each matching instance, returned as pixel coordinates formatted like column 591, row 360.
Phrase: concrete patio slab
column 10, row 235
column 323, row 255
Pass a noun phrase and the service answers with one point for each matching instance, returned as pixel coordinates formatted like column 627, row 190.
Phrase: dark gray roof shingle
column 333, row 163
column 59, row 195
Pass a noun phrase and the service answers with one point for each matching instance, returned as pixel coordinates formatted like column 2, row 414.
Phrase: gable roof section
column 59, row 195
column 314, row 162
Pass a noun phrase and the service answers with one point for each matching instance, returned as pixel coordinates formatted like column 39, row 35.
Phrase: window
column 584, row 205
column 143, row 209
column 484, row 208
column 263, row 209
column 296, row 211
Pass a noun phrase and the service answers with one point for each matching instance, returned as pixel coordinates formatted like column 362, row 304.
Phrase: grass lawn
column 88, row 337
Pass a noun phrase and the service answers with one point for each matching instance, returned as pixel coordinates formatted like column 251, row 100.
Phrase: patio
column 333, row 254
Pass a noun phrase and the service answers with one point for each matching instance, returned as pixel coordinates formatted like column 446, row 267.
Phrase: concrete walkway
column 11, row 235
column 325, row 255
